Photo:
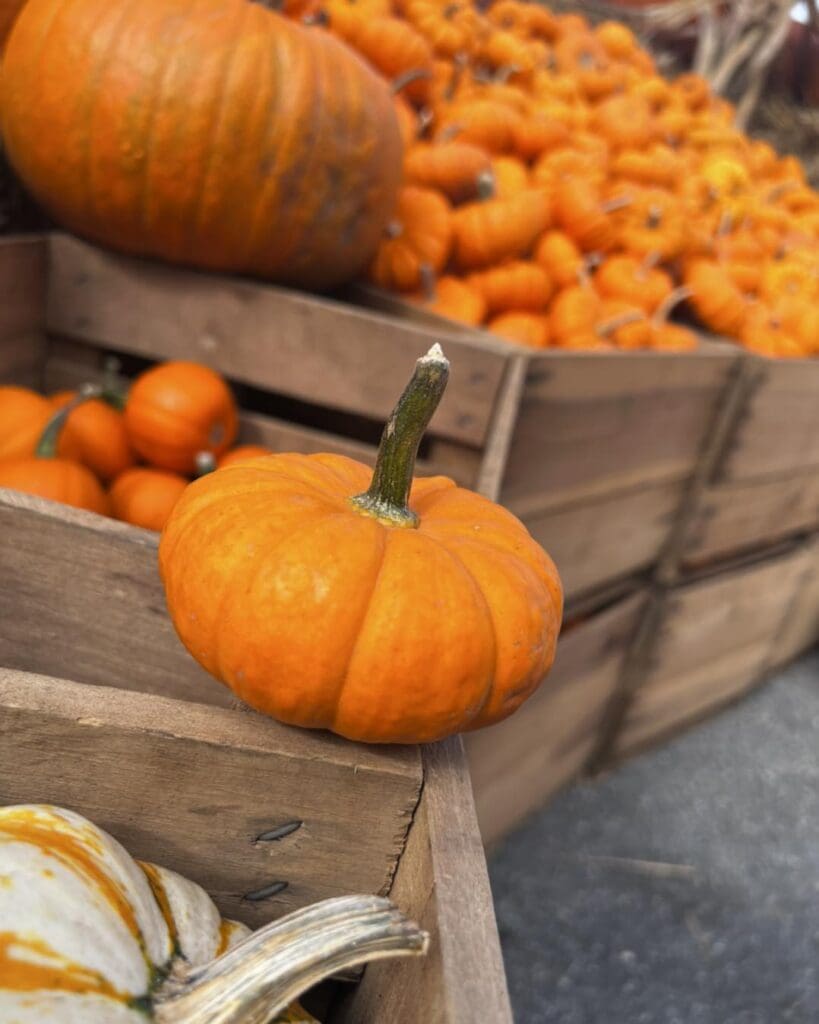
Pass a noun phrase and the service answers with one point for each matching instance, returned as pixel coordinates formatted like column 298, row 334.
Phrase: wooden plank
column 596, row 541
column 800, row 630
column 81, row 596
column 594, row 423
column 193, row 787
column 739, row 515
column 441, row 882
column 517, row 765
column 22, row 308
column 658, row 712
column 496, row 453
column 292, row 343
column 729, row 610
column 779, row 425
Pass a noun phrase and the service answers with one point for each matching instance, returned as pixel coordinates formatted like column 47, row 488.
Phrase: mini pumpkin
column 455, row 299
column 518, row 285
column 634, row 280
column 418, row 236
column 498, row 229
column 176, row 410
column 454, row 168
column 95, row 435
column 23, row 418
column 386, row 610
column 531, row 329
column 56, row 479
column 146, row 497
column 89, row 934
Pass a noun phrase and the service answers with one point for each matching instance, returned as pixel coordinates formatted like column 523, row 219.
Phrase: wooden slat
column 442, row 882
column 595, row 542
column 291, row 343
column 594, row 423
column 800, row 630
column 658, row 712
column 81, row 597
column 517, row 765
column 192, row 787
column 779, row 426
column 22, row 308
column 739, row 515
column 727, row 611
column 496, row 453
column 70, row 364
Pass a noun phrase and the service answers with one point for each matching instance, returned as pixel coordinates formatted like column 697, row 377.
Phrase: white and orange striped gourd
column 88, row 935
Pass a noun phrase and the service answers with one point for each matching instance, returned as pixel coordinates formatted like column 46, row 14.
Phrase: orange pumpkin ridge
column 330, row 597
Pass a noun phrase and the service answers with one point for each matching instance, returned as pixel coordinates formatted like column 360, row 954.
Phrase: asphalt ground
column 682, row 888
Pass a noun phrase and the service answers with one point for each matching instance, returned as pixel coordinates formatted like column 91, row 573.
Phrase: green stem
column 50, row 437
column 388, row 494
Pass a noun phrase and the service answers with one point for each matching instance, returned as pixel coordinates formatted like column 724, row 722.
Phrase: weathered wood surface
column 739, row 515
column 22, row 308
column 298, row 345
column 517, row 765
column 193, row 787
column 713, row 639
column 615, row 536
column 591, row 424
column 778, row 429
column 81, row 597
column 442, row 882
column 800, row 630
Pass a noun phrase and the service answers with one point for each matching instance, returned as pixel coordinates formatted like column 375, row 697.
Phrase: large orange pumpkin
column 214, row 133
column 177, row 410
column 322, row 596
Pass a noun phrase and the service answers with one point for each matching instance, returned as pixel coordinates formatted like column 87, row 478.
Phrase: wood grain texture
column 594, row 423
column 517, row 765
column 594, row 542
column 192, row 787
column 291, row 343
column 800, row 630
column 712, row 639
column 496, row 452
column 81, row 597
column 740, row 515
column 778, row 428
column 22, row 309
column 442, row 883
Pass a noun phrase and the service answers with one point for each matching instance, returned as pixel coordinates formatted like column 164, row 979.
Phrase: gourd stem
column 388, row 493
column 205, row 463
column 50, row 437
column 260, row 976
column 663, row 311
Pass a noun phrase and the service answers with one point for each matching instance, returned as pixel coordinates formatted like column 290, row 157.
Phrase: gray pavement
column 681, row 889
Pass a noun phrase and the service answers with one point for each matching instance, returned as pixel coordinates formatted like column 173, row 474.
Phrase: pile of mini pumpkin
column 561, row 192
column 127, row 456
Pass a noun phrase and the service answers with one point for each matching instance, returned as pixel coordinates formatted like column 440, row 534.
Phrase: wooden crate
column 758, row 483
column 800, row 631
column 101, row 710
column 568, row 441
column 701, row 645
column 519, row 764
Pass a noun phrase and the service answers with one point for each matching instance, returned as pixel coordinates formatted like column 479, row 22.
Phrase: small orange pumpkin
column 331, row 597
column 176, row 410
column 531, row 329
column 718, row 302
column 56, row 479
column 23, row 418
column 95, row 435
column 418, row 236
column 455, row 299
column 146, row 497
column 637, row 281
column 454, row 168
column 498, row 229
column 518, row 285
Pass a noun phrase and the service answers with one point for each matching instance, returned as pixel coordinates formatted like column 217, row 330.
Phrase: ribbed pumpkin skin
column 95, row 435
column 213, row 133
column 324, row 617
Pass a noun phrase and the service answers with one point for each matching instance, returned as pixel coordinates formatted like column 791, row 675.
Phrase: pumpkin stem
column 205, row 462
column 408, row 77
column 388, row 493
column 263, row 974
column 428, row 282
column 615, row 203
column 485, row 185
column 50, row 437
column 663, row 311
